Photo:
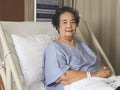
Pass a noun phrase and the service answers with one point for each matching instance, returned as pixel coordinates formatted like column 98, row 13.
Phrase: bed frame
column 8, row 68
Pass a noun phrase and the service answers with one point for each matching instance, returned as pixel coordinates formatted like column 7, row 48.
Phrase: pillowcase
column 30, row 51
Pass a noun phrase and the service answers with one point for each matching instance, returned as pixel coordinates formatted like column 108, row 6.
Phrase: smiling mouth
column 69, row 30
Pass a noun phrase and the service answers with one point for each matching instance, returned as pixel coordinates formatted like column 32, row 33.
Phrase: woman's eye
column 72, row 21
column 64, row 22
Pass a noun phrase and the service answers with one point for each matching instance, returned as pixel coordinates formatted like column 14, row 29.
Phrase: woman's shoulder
column 84, row 46
column 53, row 45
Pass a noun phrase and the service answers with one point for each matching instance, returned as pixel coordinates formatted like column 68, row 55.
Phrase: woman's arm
column 74, row 75
column 71, row 76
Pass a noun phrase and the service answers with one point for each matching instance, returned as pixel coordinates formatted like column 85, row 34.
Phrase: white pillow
column 30, row 53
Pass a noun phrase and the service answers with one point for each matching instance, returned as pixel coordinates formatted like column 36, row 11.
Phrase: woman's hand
column 104, row 72
column 71, row 76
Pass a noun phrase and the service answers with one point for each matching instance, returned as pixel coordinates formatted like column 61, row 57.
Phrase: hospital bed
column 18, row 37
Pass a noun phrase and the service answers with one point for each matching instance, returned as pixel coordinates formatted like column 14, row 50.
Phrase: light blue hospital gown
column 59, row 57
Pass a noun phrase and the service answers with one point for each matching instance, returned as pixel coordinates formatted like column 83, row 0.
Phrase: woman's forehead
column 67, row 16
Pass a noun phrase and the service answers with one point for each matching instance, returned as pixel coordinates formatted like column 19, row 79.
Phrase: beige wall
column 29, row 10
column 116, row 43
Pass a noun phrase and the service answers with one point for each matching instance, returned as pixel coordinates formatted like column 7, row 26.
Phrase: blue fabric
column 59, row 57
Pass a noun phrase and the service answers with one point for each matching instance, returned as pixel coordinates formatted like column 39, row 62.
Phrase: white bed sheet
column 95, row 83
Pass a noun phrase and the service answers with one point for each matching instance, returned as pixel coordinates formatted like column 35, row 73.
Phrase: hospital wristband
column 88, row 74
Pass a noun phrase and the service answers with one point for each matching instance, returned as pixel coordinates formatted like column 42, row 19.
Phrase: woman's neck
column 69, row 41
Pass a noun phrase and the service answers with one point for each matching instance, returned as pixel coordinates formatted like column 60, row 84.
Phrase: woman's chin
column 69, row 34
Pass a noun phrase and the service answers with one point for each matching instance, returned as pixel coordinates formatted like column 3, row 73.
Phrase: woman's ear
column 58, row 29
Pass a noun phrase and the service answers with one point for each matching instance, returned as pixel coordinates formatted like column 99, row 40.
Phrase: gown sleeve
column 54, row 64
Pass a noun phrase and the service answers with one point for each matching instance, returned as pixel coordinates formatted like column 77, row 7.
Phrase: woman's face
column 67, row 25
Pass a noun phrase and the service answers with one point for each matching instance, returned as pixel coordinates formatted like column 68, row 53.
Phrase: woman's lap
column 95, row 83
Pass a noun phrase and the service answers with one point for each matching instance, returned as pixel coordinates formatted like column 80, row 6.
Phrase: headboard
column 28, row 27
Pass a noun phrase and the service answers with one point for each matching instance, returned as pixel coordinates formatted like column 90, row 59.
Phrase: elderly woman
column 67, row 60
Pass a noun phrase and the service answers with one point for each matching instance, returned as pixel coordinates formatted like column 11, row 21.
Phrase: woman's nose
column 69, row 25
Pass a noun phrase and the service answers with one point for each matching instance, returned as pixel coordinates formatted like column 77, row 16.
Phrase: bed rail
column 10, row 65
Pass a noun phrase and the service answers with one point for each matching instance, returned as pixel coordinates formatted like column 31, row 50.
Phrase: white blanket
column 95, row 83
